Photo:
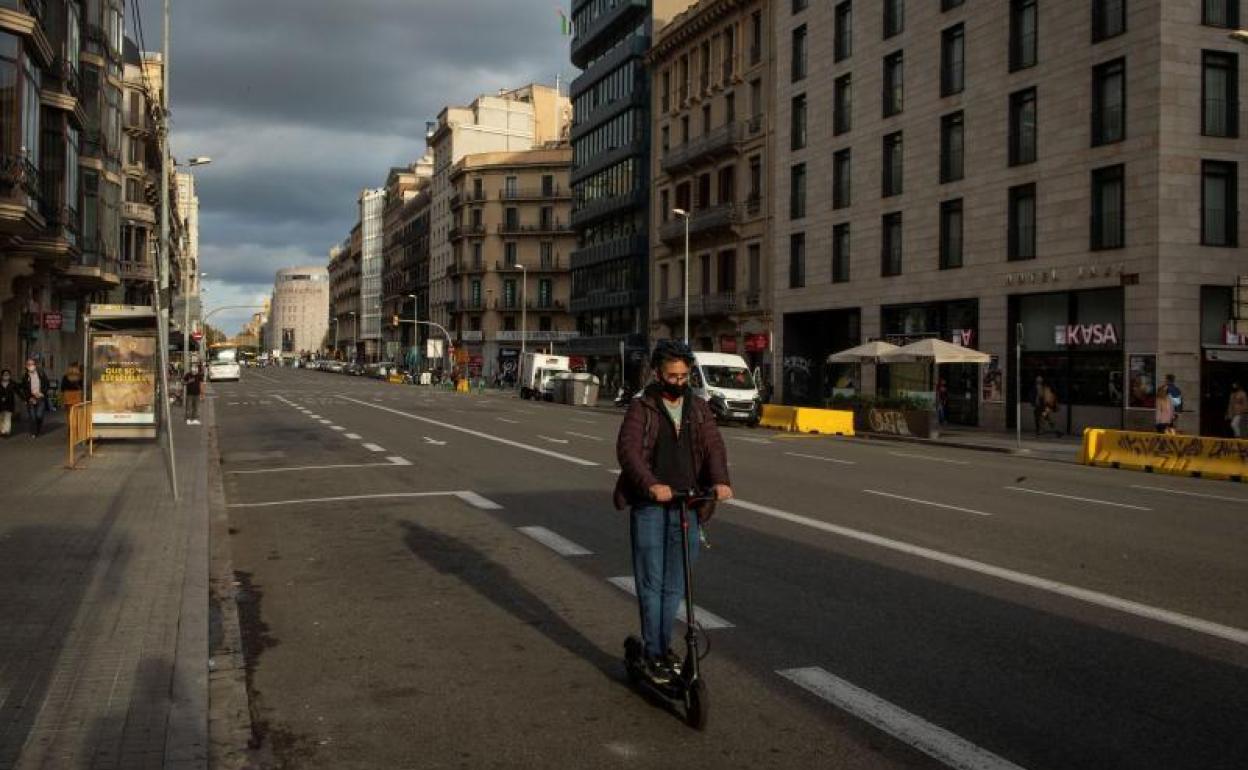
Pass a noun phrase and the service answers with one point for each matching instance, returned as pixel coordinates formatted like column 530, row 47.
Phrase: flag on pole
column 565, row 24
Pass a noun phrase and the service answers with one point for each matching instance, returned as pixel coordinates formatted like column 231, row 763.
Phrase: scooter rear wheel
column 696, row 705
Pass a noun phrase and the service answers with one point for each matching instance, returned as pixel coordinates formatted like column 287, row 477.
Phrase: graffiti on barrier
column 889, row 421
column 1183, row 448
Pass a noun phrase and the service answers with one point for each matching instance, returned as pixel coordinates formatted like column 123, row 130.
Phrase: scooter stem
column 691, row 636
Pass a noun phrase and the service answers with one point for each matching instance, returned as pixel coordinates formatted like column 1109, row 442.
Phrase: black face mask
column 672, row 390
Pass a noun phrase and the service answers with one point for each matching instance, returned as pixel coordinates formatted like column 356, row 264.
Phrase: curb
column 1019, row 452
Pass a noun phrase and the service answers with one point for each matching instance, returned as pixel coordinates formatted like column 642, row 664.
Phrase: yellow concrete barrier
column 803, row 419
column 779, row 417
column 394, row 379
column 461, row 386
column 837, row 422
column 1215, row 458
column 81, row 430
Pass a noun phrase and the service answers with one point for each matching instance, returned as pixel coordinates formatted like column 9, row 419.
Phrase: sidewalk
column 1064, row 449
column 103, row 604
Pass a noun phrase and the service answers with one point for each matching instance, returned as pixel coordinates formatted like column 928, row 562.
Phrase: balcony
column 706, row 221
column 463, row 231
column 137, row 124
column 465, row 305
column 553, row 227
column 700, row 306
column 137, row 271
column 604, row 300
column 535, row 336
column 465, row 268
column 601, row 207
column 607, row 159
column 619, row 248
column 553, row 265
column 471, row 336
column 632, row 47
column 534, row 194
column 463, row 198
column 719, row 142
column 138, row 211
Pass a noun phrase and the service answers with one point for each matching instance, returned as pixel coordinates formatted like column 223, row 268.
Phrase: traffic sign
column 197, row 335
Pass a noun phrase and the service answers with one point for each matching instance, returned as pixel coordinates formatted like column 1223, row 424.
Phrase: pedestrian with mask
column 668, row 443
column 1237, row 411
column 34, row 390
column 192, row 392
column 8, row 402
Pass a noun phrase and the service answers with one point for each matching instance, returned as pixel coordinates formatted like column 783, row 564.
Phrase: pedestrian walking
column 192, row 392
column 1171, row 391
column 34, row 391
column 1163, row 419
column 8, row 402
column 1045, row 407
column 1237, row 411
column 71, row 385
column 942, row 402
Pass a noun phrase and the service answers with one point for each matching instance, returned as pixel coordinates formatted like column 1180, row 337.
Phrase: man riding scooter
column 668, row 443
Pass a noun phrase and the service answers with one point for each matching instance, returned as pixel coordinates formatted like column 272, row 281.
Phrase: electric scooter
column 687, row 687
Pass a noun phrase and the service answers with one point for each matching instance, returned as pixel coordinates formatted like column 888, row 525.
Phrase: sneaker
column 673, row 663
column 655, row 670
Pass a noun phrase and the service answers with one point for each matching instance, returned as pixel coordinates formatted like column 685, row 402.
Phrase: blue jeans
column 658, row 570
column 34, row 413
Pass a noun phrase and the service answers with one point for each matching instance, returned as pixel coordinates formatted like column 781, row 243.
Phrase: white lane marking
column 616, row 471
column 434, row 441
column 231, row 403
column 319, row 467
column 477, row 433
column 583, row 420
column 399, row 461
column 314, row 416
column 337, row 428
column 323, row 421
column 821, row 457
column 476, row 500
column 1139, row 609
column 750, row 439
column 707, row 619
column 1080, row 499
column 555, row 542
column 1191, row 494
column 504, row 419
column 937, row 742
column 582, row 435
column 927, row 457
column 925, row 502
column 374, row 448
column 472, row 498
column 353, row 436
column 552, row 440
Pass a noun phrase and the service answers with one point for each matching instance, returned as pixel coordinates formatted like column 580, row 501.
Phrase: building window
column 951, row 234
column 727, row 183
column 952, row 60
column 730, row 108
column 841, row 196
column 1219, row 203
column 797, row 134
column 756, row 37
column 1109, row 19
column 843, row 31
column 1023, row 127
column 894, row 92
column 1024, row 29
column 755, row 255
column 894, row 17
column 797, row 191
column 664, row 288
column 840, row 253
column 756, row 177
column 1220, row 94
column 842, row 103
column 1022, row 224
column 1221, row 13
column 800, row 5
column 726, row 272
column 704, row 270
column 799, row 54
column 1109, row 100
column 797, row 260
column 949, row 5
column 1108, row 212
column 890, row 245
column 891, row 182
column 951, row 147
column 665, row 90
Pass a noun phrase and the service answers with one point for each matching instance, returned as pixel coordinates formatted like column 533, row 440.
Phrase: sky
column 303, row 103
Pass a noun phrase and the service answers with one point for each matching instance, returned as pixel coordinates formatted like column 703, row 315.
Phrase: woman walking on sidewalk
column 34, row 389
column 8, row 402
column 192, row 389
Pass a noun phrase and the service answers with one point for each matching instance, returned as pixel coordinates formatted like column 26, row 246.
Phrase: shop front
column 806, row 378
column 1073, row 342
column 1223, row 358
column 955, row 321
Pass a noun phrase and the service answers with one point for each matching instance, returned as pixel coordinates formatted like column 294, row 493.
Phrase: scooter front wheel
column 696, row 705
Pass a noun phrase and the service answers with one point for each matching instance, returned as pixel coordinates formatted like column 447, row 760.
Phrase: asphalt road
column 882, row 604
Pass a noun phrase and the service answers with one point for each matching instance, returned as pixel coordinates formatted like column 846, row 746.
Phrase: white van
column 725, row 382
column 536, row 371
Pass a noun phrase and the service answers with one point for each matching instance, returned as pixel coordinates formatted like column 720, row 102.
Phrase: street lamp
column 335, row 320
column 524, row 307
column 415, row 331
column 685, row 215
column 355, row 328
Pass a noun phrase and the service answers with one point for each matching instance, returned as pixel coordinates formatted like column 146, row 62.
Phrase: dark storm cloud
column 301, row 103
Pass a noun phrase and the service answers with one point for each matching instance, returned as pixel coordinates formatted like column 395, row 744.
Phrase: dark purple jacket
column 640, row 432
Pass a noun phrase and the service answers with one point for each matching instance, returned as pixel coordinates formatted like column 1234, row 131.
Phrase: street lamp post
column 685, row 215
column 335, row 320
column 524, row 307
column 415, row 330
column 355, row 328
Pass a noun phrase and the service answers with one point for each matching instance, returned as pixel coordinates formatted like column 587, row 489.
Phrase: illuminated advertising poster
column 123, row 379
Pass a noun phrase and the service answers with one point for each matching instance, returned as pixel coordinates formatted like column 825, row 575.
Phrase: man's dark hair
column 670, row 350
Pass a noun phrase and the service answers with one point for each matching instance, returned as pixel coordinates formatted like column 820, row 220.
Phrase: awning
column 937, row 351
column 868, row 353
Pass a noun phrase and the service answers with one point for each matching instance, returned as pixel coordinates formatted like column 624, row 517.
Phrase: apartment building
column 405, row 261
column 299, row 311
column 371, row 232
column 1059, row 174
column 140, row 165
column 711, row 190
column 510, row 242
column 511, row 120
column 344, row 297
column 186, row 202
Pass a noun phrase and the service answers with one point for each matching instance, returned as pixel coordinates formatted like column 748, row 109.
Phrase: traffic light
column 394, row 320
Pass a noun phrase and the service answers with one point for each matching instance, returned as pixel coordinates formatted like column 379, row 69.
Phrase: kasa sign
column 1081, row 335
